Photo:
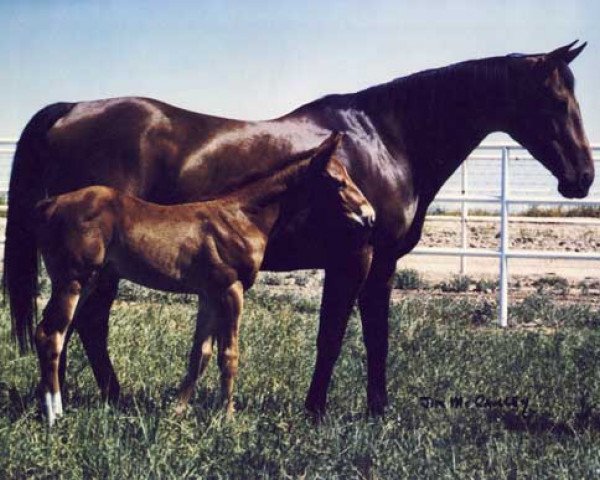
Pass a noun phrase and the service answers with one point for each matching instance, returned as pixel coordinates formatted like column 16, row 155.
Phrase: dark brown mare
column 403, row 140
column 213, row 249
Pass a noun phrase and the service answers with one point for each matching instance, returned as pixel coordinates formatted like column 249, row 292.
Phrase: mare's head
column 544, row 117
column 336, row 199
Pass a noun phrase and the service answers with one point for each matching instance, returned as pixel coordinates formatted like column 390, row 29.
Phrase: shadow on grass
column 15, row 404
column 543, row 423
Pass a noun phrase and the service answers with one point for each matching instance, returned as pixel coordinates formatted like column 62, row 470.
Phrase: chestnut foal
column 212, row 248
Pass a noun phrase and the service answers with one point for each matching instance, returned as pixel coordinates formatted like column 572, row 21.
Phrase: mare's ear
column 562, row 54
column 324, row 152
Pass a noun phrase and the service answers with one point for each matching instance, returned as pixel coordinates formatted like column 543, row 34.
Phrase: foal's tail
column 26, row 188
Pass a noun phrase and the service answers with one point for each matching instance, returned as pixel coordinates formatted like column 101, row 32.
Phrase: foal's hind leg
column 200, row 354
column 228, row 358
column 49, row 339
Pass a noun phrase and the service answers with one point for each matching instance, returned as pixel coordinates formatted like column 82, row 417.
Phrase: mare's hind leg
column 228, row 358
column 200, row 354
column 49, row 339
column 91, row 322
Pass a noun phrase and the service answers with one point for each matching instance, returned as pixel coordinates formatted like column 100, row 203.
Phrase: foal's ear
column 324, row 152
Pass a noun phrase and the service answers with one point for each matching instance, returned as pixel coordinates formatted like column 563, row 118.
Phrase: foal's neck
column 261, row 200
column 438, row 117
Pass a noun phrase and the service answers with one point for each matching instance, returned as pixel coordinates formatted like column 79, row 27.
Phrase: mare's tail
column 26, row 188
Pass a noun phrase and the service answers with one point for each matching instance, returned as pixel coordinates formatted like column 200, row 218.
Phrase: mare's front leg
column 374, row 303
column 49, row 340
column 233, row 302
column 91, row 322
column 343, row 281
column 200, row 354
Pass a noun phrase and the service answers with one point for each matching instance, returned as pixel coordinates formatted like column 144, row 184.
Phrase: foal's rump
column 74, row 230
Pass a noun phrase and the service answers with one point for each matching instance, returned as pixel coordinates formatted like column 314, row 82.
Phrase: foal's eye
column 340, row 184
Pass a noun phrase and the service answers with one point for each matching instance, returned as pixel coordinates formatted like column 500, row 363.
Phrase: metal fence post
column 503, row 300
column 463, row 217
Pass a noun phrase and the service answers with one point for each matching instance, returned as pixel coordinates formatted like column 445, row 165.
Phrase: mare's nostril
column 586, row 179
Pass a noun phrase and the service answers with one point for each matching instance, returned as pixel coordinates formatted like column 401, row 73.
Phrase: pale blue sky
column 260, row 59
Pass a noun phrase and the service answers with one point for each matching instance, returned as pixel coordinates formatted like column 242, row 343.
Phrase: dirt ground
column 564, row 235
column 567, row 235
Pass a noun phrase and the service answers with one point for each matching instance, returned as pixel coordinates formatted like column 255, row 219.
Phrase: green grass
column 439, row 347
column 409, row 279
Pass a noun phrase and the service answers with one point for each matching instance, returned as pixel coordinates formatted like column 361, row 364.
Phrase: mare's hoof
column 315, row 410
column 377, row 405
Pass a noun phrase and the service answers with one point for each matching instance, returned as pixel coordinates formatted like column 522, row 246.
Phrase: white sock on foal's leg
column 57, row 404
column 49, row 409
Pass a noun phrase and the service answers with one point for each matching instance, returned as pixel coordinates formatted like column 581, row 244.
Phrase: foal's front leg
column 49, row 339
column 228, row 359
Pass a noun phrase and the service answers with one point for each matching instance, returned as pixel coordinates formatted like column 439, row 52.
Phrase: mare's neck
column 436, row 118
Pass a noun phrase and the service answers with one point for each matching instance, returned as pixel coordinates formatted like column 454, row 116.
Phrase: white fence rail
column 504, row 199
column 506, row 153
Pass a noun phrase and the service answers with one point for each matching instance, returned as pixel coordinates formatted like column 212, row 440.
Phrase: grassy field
column 440, row 348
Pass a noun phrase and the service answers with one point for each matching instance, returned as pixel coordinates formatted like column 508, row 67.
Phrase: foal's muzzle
column 366, row 217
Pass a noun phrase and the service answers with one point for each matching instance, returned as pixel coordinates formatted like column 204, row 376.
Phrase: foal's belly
column 142, row 273
column 152, row 279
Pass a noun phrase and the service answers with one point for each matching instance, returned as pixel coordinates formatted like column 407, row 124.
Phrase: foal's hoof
column 181, row 409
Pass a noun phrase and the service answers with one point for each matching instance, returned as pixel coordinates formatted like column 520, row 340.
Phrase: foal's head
column 546, row 120
column 336, row 200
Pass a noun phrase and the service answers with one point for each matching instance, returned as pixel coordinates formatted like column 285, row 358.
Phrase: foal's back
column 182, row 248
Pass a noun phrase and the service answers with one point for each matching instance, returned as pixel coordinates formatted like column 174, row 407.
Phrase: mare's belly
column 295, row 243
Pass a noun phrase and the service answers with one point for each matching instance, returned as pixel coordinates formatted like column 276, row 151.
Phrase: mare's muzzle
column 578, row 187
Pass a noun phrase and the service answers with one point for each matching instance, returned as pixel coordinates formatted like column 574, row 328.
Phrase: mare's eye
column 564, row 107
column 561, row 107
